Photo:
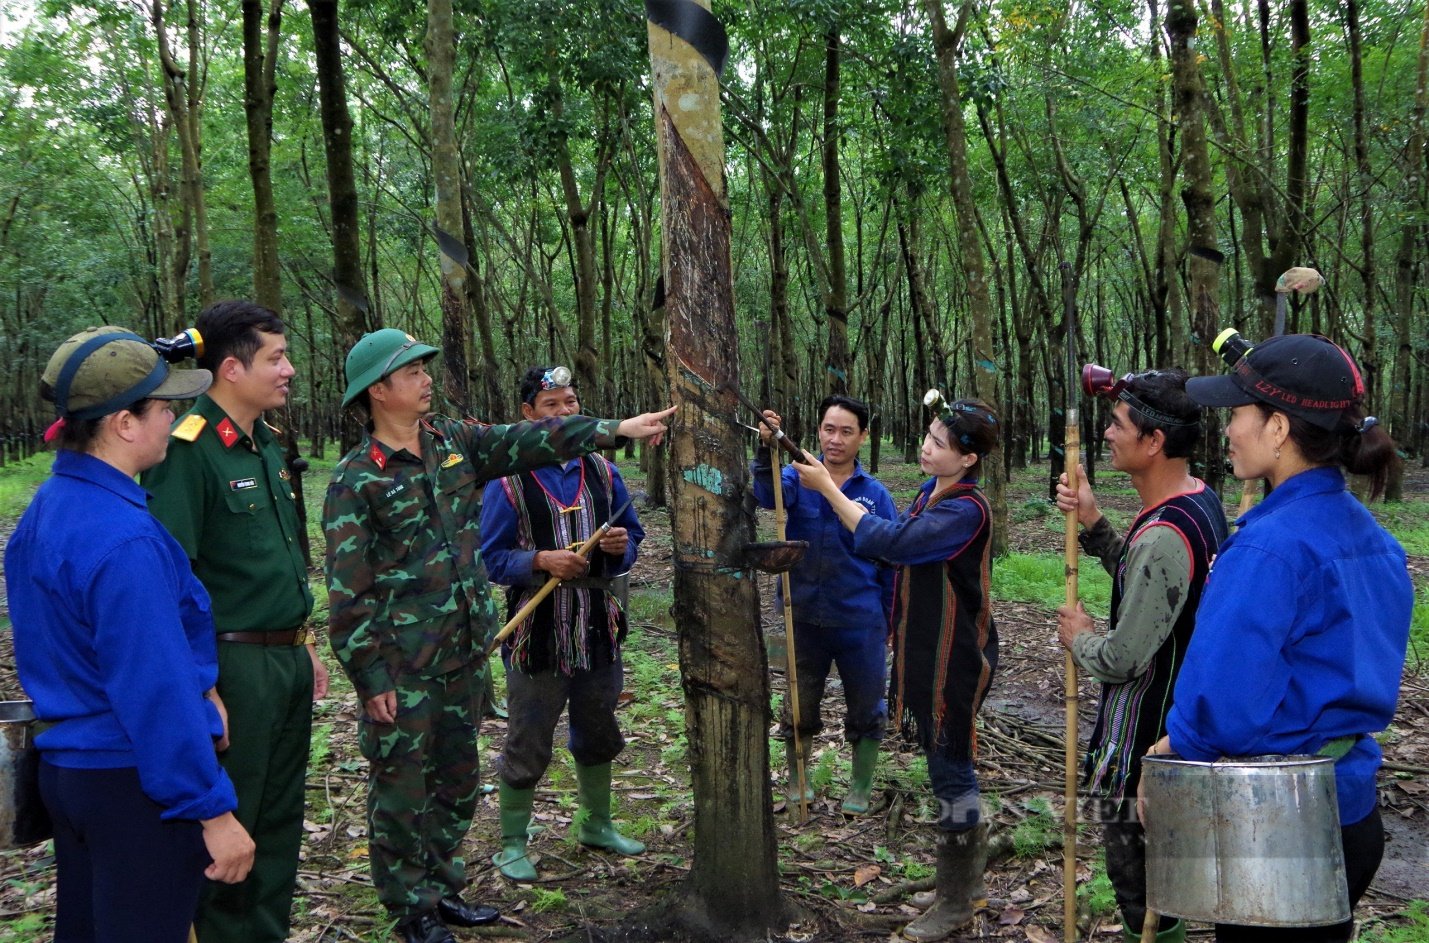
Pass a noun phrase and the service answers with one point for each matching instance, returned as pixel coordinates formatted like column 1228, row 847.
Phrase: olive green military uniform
column 410, row 610
column 228, row 500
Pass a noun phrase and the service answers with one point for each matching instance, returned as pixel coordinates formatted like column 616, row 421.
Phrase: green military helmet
column 379, row 354
column 102, row 370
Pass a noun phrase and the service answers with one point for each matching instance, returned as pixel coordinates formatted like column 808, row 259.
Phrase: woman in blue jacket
column 1310, row 596
column 841, row 600
column 115, row 645
column 944, row 639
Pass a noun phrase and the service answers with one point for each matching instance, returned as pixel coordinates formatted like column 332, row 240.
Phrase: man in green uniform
column 226, row 496
column 410, row 609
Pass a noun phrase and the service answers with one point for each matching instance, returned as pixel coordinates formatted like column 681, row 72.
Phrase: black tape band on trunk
column 695, row 25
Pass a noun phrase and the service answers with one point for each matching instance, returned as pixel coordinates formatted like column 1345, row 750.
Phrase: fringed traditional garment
column 1132, row 714
column 945, row 642
column 576, row 628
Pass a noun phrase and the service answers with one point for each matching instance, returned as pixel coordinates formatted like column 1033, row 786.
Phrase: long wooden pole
column 792, row 670
column 1072, row 447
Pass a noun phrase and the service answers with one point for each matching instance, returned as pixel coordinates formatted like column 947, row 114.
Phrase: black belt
column 296, row 636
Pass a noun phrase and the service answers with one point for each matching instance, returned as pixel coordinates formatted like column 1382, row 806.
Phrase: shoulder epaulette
column 189, row 427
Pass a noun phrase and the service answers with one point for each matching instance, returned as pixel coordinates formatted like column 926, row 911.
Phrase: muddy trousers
column 422, row 789
column 859, row 654
column 1364, row 849
column 534, row 704
column 125, row 876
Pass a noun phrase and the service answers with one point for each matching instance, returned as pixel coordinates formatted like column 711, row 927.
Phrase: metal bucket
column 23, row 817
column 1252, row 841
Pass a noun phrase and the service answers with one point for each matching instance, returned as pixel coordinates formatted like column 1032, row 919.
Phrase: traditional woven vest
column 574, row 628
column 945, row 642
column 1132, row 714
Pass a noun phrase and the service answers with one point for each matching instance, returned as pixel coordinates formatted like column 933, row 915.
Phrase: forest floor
column 848, row 878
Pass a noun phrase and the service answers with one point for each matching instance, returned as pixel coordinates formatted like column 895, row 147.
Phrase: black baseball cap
column 1304, row 375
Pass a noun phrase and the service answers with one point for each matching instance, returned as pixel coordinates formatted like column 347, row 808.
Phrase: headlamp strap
column 123, row 398
column 1155, row 415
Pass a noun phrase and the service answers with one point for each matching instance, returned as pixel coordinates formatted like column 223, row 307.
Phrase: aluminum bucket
column 1252, row 841
column 23, row 817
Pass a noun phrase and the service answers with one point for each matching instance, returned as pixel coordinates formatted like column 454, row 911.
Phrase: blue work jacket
column 832, row 585
column 114, row 640
column 1300, row 637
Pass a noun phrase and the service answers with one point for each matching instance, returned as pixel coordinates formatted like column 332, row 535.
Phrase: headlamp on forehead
column 555, row 378
column 1231, row 346
column 949, row 413
column 1099, row 381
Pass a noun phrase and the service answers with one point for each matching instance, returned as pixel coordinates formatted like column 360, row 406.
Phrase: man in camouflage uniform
column 410, row 609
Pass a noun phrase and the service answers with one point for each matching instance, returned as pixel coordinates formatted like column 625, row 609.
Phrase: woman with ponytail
column 1310, row 597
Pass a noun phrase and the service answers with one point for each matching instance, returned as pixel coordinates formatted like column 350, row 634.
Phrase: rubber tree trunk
column 446, row 170
column 734, row 883
column 354, row 315
column 1204, row 258
column 986, row 371
column 258, row 89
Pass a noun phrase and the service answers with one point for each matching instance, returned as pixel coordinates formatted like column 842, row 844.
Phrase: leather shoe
column 424, row 928
column 459, row 913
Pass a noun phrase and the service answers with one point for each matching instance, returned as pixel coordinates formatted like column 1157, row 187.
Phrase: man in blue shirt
column 568, row 650
column 841, row 600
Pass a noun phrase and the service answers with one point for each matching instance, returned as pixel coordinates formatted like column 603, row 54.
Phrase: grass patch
column 1410, row 925
column 1419, row 628
column 1098, row 894
column 18, row 481
column 544, row 900
column 1034, row 834
column 1041, row 578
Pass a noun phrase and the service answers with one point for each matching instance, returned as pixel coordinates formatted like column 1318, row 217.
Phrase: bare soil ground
column 849, row 878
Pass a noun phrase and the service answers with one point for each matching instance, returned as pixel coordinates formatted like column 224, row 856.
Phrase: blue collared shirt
column 832, row 585
column 1300, row 636
column 114, row 640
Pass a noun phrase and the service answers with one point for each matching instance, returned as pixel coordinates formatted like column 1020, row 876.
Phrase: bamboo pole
column 1149, row 925
column 802, row 774
column 1072, row 448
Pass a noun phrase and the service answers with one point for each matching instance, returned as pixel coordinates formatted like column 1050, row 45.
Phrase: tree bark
column 985, row 371
column 1203, row 257
column 354, row 318
column 836, row 293
column 734, row 881
column 258, row 91
column 446, row 172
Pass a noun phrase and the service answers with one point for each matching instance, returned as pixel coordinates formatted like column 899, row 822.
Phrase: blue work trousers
column 860, row 654
column 124, row 875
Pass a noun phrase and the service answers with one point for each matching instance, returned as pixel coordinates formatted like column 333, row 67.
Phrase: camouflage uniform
column 410, row 609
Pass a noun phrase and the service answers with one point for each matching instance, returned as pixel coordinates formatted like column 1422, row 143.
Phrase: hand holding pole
column 550, row 585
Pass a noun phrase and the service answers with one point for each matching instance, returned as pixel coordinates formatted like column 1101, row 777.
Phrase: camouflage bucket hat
column 102, row 370
column 378, row 354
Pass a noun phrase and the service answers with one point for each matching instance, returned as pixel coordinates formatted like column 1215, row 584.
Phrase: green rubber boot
column 806, row 750
column 597, row 830
column 511, row 860
column 1176, row 933
column 958, row 874
column 860, row 781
